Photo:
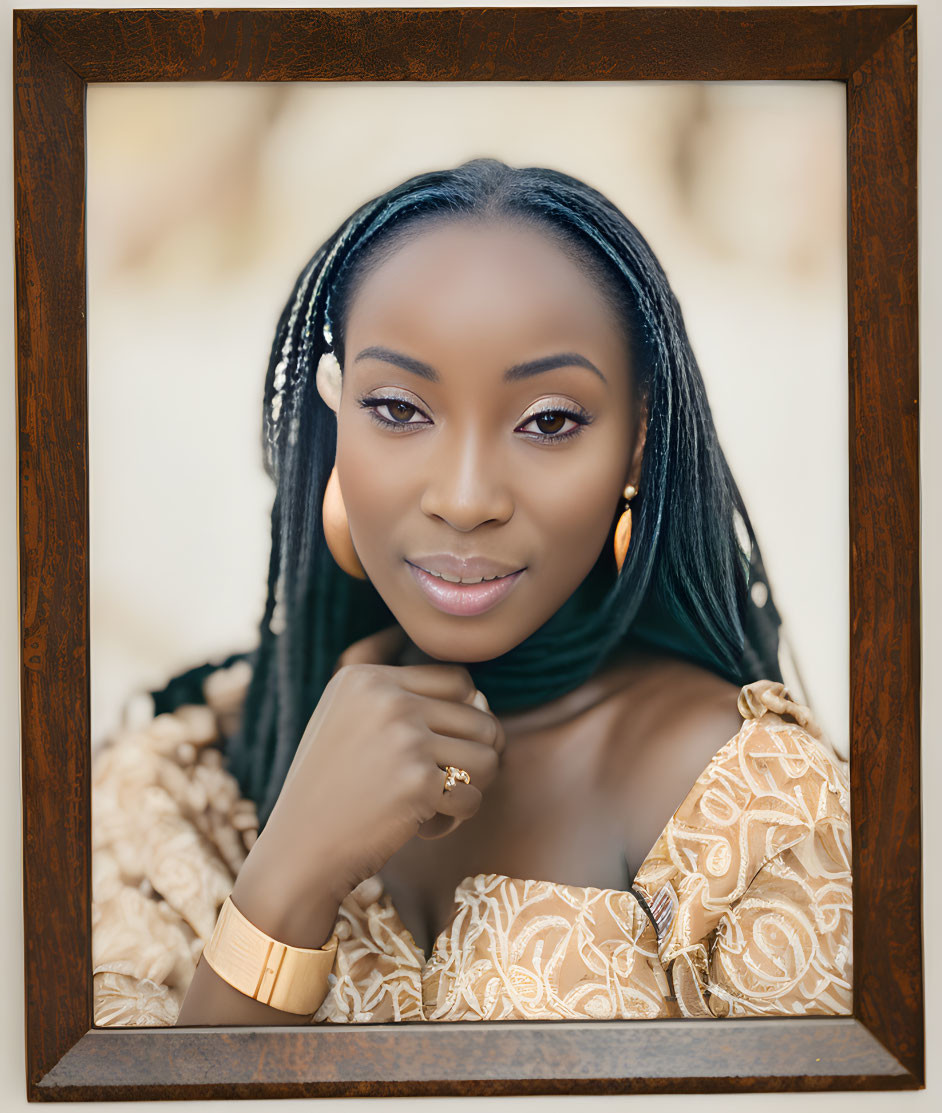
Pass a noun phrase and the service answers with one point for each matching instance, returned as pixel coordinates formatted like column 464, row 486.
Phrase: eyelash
column 580, row 417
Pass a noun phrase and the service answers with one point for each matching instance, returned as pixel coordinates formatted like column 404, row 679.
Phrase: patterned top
column 741, row 908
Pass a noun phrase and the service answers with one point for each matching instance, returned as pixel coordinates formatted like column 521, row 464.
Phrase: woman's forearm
column 268, row 903
column 210, row 1000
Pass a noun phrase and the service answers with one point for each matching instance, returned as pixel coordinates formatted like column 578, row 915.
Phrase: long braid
column 685, row 581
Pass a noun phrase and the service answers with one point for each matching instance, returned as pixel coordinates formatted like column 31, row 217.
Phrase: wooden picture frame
column 873, row 52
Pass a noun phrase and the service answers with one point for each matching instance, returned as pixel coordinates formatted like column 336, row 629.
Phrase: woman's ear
column 634, row 469
column 329, row 380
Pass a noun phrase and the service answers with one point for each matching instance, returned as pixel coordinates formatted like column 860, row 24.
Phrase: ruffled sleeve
column 170, row 832
column 752, row 874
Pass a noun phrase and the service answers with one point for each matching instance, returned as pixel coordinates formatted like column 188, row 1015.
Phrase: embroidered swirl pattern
column 749, row 881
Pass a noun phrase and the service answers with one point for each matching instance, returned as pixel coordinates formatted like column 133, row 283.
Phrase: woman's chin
column 456, row 649
column 439, row 633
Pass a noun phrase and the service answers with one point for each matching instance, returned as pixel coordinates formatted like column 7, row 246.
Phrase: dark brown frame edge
column 871, row 50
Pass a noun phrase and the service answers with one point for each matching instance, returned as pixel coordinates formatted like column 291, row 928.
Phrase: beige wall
column 11, row 1045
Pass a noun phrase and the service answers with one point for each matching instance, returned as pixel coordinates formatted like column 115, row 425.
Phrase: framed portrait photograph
column 469, row 520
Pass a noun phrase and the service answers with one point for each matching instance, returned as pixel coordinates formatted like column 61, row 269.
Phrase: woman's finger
column 461, row 720
column 462, row 801
column 438, row 827
column 384, row 647
column 450, row 682
column 479, row 761
column 381, row 648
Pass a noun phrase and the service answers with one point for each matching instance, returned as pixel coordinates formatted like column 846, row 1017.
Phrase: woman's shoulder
column 772, row 779
column 668, row 719
column 181, row 752
column 170, row 832
column 678, row 728
column 165, row 804
column 765, row 824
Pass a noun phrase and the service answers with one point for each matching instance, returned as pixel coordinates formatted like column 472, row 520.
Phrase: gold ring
column 453, row 776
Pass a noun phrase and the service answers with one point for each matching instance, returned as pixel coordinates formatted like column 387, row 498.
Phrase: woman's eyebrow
column 512, row 374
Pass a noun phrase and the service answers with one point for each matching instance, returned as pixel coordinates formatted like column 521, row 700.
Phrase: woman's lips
column 463, row 599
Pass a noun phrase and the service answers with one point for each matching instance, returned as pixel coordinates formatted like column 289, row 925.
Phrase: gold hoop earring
column 623, row 529
column 337, row 529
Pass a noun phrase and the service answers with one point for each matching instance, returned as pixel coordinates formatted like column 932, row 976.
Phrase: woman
column 515, row 727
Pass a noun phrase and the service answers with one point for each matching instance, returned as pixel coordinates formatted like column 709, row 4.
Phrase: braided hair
column 685, row 585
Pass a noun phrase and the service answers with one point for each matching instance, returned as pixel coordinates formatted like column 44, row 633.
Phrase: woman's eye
column 395, row 412
column 551, row 426
column 555, row 425
column 550, row 422
column 400, row 412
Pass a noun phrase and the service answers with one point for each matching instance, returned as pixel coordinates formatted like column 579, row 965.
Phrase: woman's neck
column 620, row 668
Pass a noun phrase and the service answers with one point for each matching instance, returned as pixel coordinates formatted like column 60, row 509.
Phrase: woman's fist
column 369, row 772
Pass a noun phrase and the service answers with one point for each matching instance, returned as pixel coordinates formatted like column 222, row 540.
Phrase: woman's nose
column 467, row 484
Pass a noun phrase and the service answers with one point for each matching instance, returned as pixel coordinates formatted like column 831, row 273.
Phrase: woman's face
column 482, row 431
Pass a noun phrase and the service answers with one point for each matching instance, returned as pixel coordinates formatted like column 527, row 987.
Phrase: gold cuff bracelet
column 293, row 979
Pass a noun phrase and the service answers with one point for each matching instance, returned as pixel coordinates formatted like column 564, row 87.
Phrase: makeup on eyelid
column 569, row 411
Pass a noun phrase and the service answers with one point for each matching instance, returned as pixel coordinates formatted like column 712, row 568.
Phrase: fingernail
column 480, row 701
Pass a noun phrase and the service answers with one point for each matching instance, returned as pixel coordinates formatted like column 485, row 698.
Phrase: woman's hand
column 368, row 774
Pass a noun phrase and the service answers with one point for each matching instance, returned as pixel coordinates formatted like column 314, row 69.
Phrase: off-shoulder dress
column 741, row 908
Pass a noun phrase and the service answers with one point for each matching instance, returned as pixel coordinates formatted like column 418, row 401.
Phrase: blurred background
column 205, row 201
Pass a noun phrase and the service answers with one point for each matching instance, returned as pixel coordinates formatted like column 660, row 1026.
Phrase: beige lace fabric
column 741, row 908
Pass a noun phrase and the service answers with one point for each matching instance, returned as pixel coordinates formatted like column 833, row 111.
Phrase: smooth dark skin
column 564, row 792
